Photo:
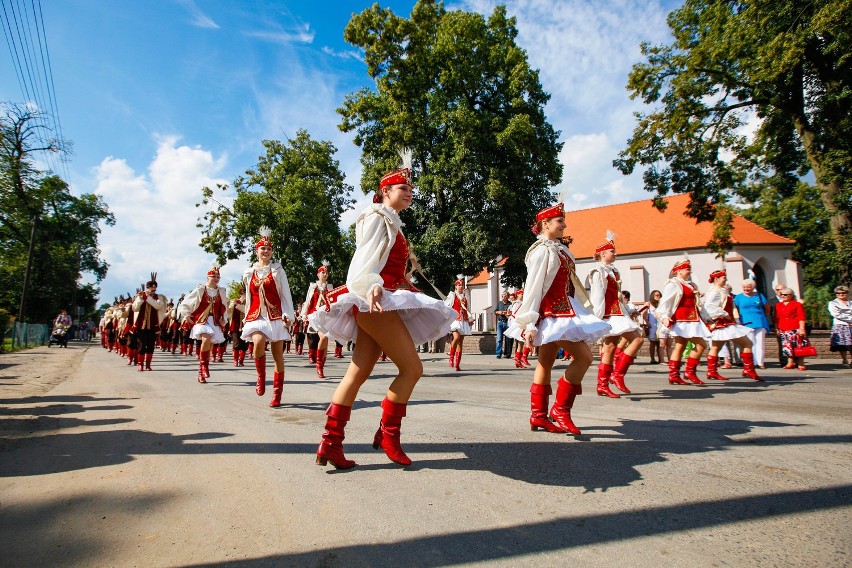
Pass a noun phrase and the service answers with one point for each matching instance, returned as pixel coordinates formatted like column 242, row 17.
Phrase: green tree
column 298, row 191
column 66, row 226
column 785, row 62
column 456, row 89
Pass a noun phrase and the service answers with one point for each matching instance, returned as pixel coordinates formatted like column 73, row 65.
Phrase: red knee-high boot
column 518, row 360
column 452, row 357
column 312, row 355
column 748, row 367
column 604, row 373
column 712, row 368
column 561, row 410
column 617, row 356
column 674, row 373
column 148, row 358
column 331, row 447
column 621, row 367
column 387, row 436
column 321, row 355
column 260, row 366
column 277, row 389
column 242, row 357
column 236, row 357
column 338, row 351
column 458, row 360
column 689, row 371
column 131, row 357
column 140, row 361
column 203, row 370
column 539, row 399
column 524, row 361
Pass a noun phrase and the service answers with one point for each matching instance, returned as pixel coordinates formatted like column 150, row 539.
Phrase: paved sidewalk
column 112, row 467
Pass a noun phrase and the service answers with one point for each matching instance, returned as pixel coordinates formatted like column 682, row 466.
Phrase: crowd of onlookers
column 77, row 330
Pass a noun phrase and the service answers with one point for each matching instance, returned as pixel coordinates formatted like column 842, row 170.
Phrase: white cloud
column 349, row 54
column 155, row 219
column 302, row 34
column 199, row 19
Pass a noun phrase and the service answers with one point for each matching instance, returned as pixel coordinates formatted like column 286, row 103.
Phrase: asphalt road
column 112, row 467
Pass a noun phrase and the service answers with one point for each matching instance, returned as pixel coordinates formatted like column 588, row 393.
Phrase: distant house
column 648, row 243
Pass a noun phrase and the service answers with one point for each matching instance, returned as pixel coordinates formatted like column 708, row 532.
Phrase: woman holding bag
column 790, row 323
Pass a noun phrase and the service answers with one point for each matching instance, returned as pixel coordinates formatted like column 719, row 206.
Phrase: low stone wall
column 484, row 343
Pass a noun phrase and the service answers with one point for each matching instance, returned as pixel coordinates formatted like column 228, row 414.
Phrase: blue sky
column 163, row 97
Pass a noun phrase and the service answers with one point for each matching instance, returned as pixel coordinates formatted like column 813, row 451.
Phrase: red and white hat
column 552, row 212
column 264, row 240
column 402, row 175
column 459, row 281
column 323, row 268
column 214, row 271
column 608, row 244
column 716, row 274
column 682, row 263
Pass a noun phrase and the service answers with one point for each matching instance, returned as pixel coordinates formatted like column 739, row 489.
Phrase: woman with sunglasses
column 790, row 323
column 841, row 328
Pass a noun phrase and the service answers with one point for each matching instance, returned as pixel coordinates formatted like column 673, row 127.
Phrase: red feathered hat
column 716, row 274
column 264, row 240
column 402, row 175
column 608, row 244
column 214, row 271
column 323, row 268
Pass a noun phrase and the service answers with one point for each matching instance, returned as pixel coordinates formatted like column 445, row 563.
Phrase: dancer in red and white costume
column 457, row 300
column 381, row 311
column 608, row 305
column 719, row 314
column 268, row 315
column 679, row 312
column 317, row 299
column 203, row 315
column 550, row 317
column 522, row 351
column 235, row 315
column 149, row 310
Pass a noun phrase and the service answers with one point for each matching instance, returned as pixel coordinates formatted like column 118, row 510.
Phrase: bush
column 815, row 299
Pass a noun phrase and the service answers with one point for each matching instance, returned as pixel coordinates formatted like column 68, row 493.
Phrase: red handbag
column 804, row 349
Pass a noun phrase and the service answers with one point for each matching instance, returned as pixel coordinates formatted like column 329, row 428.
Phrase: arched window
column 760, row 278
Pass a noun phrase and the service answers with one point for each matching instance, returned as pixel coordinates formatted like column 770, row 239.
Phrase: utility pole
column 22, row 310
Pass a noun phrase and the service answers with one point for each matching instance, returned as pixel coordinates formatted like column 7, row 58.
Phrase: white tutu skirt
column 207, row 329
column 730, row 332
column 461, row 326
column 689, row 329
column 582, row 327
column 273, row 330
column 621, row 325
column 425, row 318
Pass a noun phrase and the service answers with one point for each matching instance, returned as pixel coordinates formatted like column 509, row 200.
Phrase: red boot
column 260, row 366
column 616, row 356
column 452, row 357
column 277, row 389
column 712, row 369
column 387, row 436
column 524, row 361
column 561, row 410
column 140, row 361
column 604, row 372
column 131, row 357
column 621, row 367
column 148, row 357
column 242, row 358
column 748, row 367
column 458, row 360
column 204, row 357
column 689, row 372
column 674, row 373
column 312, row 355
column 203, row 372
column 539, row 399
column 236, row 357
column 338, row 351
column 321, row 355
column 518, row 360
column 331, row 447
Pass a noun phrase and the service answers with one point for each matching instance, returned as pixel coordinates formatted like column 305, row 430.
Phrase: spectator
column 841, row 328
column 502, row 312
column 754, row 309
column 62, row 319
column 772, row 303
column 790, row 323
column 652, row 328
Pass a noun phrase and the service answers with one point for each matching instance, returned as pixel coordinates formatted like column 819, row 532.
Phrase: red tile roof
column 640, row 228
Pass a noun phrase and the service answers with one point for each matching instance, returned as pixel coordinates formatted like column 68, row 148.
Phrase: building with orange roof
column 648, row 243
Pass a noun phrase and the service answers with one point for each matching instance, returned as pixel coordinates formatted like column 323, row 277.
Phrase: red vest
column 555, row 303
column 266, row 290
column 217, row 310
column 458, row 305
column 148, row 317
column 686, row 309
column 726, row 321
column 236, row 317
column 393, row 274
column 612, row 305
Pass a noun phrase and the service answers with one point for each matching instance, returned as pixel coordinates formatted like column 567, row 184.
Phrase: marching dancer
column 268, row 314
column 718, row 308
column 203, row 314
column 679, row 312
column 235, row 315
column 457, row 300
column 149, row 309
column 317, row 298
column 550, row 317
column 605, row 294
column 381, row 311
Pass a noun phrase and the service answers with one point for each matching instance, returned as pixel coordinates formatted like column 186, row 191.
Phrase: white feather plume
column 610, row 236
column 264, row 231
column 407, row 157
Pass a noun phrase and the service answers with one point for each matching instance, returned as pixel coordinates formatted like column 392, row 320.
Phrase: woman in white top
column 269, row 311
column 841, row 329
column 381, row 311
